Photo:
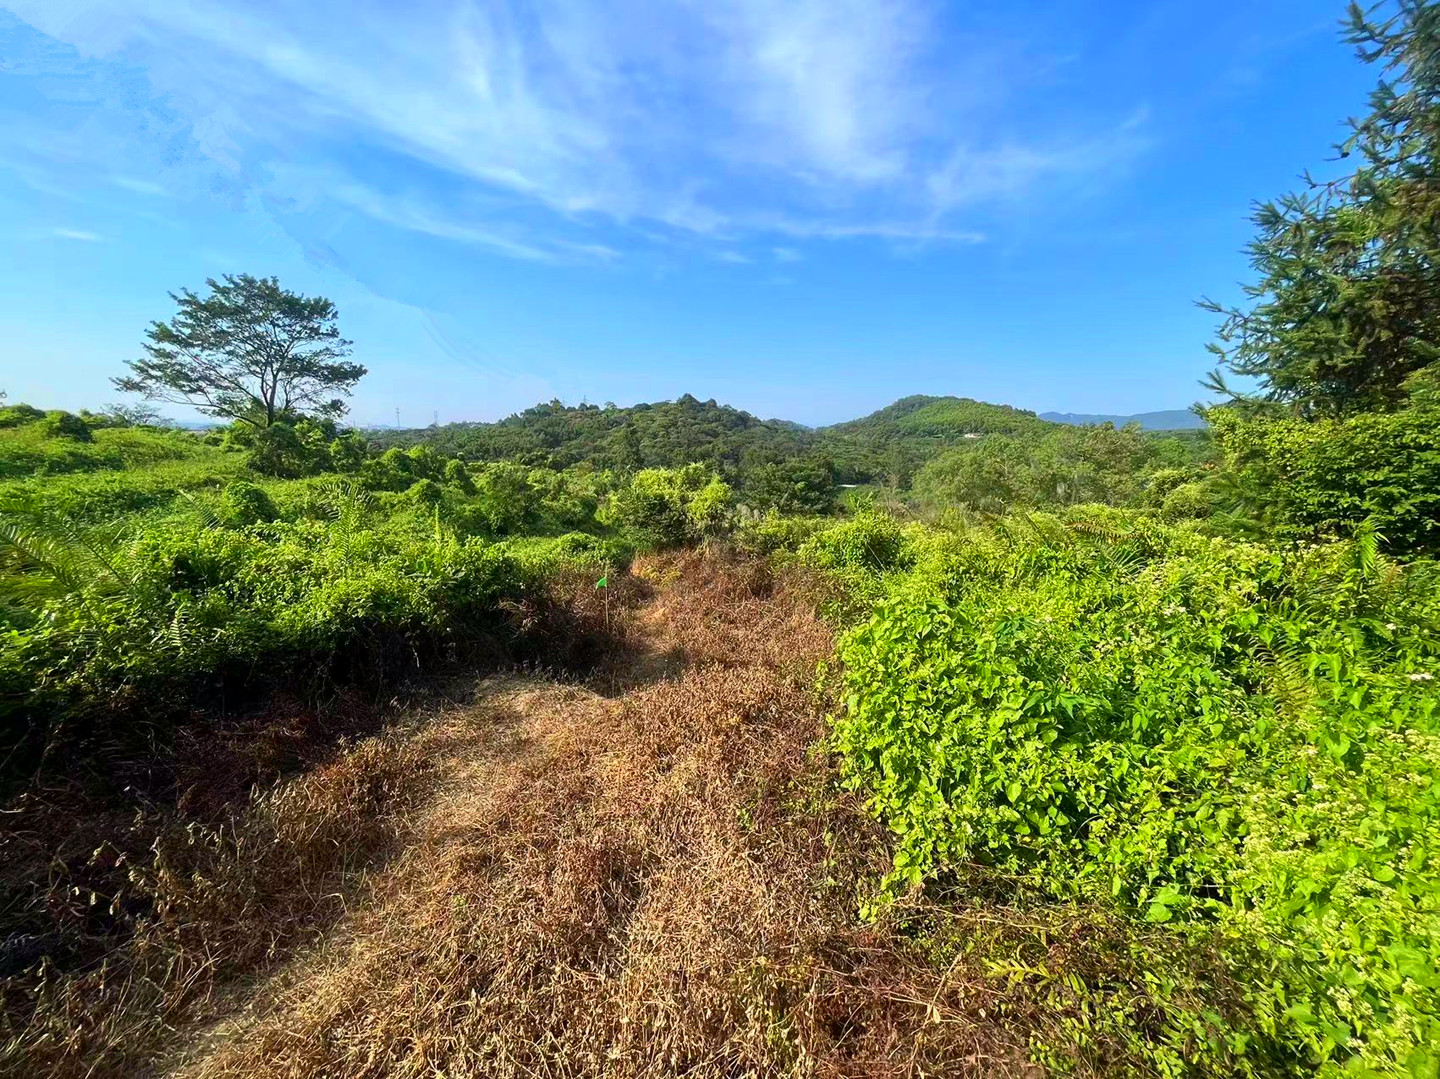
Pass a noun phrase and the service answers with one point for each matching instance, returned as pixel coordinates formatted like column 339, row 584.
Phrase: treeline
column 790, row 468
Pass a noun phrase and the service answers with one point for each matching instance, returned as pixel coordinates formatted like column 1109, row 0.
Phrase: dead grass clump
column 206, row 901
column 737, row 611
column 572, row 628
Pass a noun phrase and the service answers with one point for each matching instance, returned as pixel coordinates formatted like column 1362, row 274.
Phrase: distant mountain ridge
column 1173, row 419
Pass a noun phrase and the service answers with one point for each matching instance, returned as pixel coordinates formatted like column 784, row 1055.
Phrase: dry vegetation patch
column 650, row 874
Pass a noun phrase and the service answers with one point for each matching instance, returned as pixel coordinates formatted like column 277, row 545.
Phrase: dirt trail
column 656, row 880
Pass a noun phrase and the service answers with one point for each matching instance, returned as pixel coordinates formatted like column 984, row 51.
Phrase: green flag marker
column 603, row 582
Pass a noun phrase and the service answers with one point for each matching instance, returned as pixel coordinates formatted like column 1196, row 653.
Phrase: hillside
column 663, row 434
column 876, row 448
column 942, row 419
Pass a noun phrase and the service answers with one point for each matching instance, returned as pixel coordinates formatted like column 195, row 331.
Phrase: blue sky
column 805, row 208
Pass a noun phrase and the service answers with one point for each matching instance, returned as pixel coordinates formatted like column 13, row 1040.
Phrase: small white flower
column 1421, row 676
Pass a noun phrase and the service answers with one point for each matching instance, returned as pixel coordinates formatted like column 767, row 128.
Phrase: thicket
column 1061, row 466
column 166, row 565
column 1236, row 742
column 1303, row 480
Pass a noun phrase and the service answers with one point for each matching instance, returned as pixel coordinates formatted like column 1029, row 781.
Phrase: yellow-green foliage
column 1054, row 466
column 161, row 559
column 1312, row 479
column 662, row 507
column 44, row 448
column 1235, row 742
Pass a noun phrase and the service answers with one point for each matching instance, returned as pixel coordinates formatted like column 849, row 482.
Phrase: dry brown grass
column 651, row 875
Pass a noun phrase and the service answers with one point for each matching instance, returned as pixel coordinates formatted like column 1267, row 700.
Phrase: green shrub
column 1208, row 734
column 182, row 601
column 800, row 485
column 776, row 534
column 104, row 495
column 425, row 493
column 458, row 476
column 709, row 509
column 870, row 541
column 279, row 450
column 347, row 453
column 243, row 503
column 505, row 499
column 19, row 415
column 668, row 507
column 1189, row 500
column 391, row 471
column 1308, row 480
column 1162, row 481
column 60, row 424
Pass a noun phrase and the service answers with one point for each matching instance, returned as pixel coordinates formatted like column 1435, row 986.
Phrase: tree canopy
column 1346, row 311
column 249, row 351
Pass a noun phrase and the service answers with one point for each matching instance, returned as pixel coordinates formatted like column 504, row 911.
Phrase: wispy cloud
column 78, row 234
column 786, row 254
column 517, row 127
column 139, row 187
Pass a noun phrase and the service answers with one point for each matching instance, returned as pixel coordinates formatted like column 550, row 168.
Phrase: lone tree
column 249, row 351
column 1346, row 315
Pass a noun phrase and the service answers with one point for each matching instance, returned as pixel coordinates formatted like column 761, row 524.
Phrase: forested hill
column 945, row 419
column 671, row 433
column 667, row 433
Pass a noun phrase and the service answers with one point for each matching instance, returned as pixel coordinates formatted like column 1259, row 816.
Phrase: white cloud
column 811, row 119
column 972, row 175
column 825, row 88
column 78, row 234
column 139, row 187
column 786, row 254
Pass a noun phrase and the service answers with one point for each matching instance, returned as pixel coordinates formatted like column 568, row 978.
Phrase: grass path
column 655, row 882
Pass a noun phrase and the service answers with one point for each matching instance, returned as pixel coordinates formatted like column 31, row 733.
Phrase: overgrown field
column 1100, row 791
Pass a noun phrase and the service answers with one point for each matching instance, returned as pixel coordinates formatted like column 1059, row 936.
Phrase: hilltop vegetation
column 791, row 468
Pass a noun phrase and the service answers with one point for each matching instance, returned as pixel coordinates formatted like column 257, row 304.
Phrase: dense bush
column 61, row 424
column 1311, row 479
column 1206, row 733
column 663, row 507
column 167, row 562
column 189, row 601
column 802, row 485
column 244, row 503
column 1057, row 466
column 19, row 415
column 774, row 533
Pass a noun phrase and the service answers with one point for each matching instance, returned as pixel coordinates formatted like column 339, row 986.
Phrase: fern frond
column 208, row 517
column 49, row 555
